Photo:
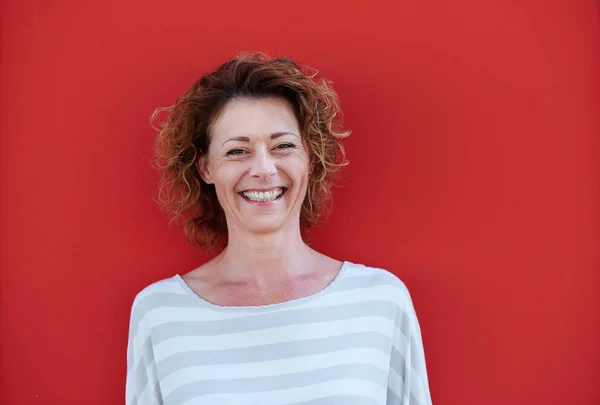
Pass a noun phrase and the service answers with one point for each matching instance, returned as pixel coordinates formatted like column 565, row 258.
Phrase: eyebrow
column 274, row 135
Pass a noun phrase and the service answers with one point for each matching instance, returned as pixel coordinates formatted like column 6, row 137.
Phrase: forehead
column 254, row 117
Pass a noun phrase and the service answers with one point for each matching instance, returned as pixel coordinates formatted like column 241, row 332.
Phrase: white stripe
column 135, row 349
column 357, row 270
column 396, row 383
column 144, row 394
column 168, row 285
column 280, row 334
column 280, row 367
column 293, row 395
column 401, row 344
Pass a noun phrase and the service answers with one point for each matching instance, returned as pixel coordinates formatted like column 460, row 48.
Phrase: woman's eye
column 286, row 146
column 236, row 152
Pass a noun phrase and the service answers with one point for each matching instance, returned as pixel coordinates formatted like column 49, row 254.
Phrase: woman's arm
column 142, row 385
column 408, row 382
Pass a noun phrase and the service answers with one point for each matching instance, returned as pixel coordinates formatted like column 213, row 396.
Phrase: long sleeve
column 142, row 386
column 408, row 382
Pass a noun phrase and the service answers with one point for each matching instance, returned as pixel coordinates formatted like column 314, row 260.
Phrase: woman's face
column 258, row 164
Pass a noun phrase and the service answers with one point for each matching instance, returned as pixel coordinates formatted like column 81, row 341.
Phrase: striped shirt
column 356, row 342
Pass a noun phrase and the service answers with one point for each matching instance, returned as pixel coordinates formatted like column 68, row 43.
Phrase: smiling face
column 258, row 164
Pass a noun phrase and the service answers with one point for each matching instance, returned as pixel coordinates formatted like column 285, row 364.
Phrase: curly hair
column 185, row 134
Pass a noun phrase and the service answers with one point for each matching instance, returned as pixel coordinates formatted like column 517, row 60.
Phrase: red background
column 474, row 177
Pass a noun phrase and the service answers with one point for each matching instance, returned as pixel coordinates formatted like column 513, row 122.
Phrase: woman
column 247, row 158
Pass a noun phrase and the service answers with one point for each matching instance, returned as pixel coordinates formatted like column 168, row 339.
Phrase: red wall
column 474, row 177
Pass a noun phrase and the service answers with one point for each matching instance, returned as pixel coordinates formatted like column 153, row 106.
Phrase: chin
column 264, row 226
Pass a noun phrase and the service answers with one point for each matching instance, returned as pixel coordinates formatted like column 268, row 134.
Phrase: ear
column 202, row 165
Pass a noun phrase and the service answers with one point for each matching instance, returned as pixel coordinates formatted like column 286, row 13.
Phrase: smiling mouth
column 262, row 196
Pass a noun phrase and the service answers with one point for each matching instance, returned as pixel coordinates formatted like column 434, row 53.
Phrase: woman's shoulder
column 374, row 275
column 364, row 276
column 159, row 293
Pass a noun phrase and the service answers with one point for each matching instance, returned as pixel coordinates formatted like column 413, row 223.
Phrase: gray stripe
column 275, row 351
column 169, row 330
column 398, row 363
column 340, row 399
column 415, row 356
column 404, row 324
column 158, row 394
column 369, row 280
column 160, row 300
column 392, row 398
column 141, row 374
column 279, row 382
column 414, row 400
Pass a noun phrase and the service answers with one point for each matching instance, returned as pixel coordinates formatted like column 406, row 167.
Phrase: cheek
column 301, row 159
column 225, row 176
column 301, row 173
column 297, row 168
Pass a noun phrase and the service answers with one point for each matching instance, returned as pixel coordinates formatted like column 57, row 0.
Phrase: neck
column 252, row 257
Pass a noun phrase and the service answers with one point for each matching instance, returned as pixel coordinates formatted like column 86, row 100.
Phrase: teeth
column 263, row 196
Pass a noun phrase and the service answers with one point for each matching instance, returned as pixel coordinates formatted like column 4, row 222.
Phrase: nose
column 263, row 165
